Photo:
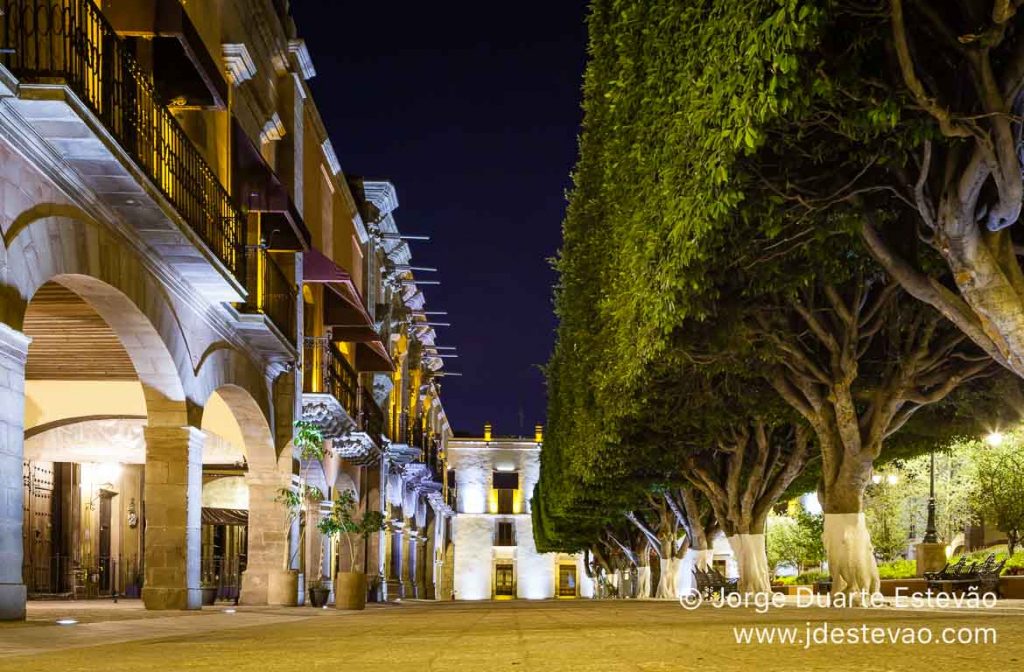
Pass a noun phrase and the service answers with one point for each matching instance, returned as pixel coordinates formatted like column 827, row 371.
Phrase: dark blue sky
column 472, row 110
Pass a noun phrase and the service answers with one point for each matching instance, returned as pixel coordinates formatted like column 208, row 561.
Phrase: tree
column 1000, row 488
column 887, row 514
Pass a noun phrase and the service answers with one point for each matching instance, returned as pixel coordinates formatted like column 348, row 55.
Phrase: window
column 505, row 484
column 505, row 533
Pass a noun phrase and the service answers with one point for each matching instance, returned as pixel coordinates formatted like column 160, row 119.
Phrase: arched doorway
column 246, row 529
column 110, row 468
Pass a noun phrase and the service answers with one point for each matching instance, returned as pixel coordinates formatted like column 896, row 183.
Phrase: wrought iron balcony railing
column 325, row 371
column 71, row 41
column 270, row 291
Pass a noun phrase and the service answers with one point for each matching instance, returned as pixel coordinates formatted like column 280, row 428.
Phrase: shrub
column 897, row 569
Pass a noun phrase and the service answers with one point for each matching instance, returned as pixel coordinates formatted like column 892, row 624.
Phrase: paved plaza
column 605, row 636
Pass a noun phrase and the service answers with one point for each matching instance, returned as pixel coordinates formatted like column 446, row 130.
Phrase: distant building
column 491, row 481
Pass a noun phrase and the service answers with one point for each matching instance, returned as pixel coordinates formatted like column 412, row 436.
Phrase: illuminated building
column 492, row 480
column 185, row 271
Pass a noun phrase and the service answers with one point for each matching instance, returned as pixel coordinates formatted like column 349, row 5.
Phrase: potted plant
column 350, row 586
column 319, row 592
column 209, row 589
column 309, row 440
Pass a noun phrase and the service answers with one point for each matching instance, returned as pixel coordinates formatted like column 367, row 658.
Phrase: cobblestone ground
column 605, row 636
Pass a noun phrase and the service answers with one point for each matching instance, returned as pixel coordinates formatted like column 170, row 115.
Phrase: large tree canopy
column 747, row 215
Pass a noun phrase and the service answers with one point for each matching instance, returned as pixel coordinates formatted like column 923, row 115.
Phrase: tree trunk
column 847, row 541
column 1011, row 543
column 752, row 559
column 667, row 583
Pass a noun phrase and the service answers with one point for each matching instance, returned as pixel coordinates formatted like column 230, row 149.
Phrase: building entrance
column 504, row 580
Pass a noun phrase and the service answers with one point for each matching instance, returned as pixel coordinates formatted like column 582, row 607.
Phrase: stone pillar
column 420, row 568
column 173, row 497
column 265, row 580
column 930, row 557
column 13, row 353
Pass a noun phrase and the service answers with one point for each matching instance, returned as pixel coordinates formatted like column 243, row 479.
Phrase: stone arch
column 254, row 426
column 80, row 255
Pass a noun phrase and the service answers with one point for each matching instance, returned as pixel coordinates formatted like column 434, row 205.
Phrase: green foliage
column 343, row 522
column 999, row 495
column 897, row 569
column 309, row 439
column 809, row 578
column 795, row 539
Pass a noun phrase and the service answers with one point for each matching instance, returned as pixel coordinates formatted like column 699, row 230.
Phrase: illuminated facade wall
column 482, row 564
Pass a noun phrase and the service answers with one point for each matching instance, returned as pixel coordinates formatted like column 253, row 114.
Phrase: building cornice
column 238, row 63
column 297, row 48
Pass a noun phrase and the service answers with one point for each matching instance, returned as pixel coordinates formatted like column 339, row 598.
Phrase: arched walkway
column 266, row 579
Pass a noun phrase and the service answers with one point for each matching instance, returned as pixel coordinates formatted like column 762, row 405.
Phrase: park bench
column 711, row 582
column 981, row 578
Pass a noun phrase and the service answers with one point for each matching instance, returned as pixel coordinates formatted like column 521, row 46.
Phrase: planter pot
column 283, row 589
column 209, row 595
column 350, row 590
column 823, row 587
column 318, row 596
column 1011, row 587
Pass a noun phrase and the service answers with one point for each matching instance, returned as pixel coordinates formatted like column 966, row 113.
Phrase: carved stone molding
column 298, row 49
column 238, row 63
column 328, row 413
column 273, row 129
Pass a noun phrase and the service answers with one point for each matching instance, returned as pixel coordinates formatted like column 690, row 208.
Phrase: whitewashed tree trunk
column 693, row 559
column 851, row 557
column 752, row 559
column 616, row 581
column 667, row 582
column 643, row 582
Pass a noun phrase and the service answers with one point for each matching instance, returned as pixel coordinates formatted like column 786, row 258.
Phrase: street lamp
column 931, row 535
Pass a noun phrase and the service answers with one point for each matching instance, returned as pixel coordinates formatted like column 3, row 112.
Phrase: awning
column 344, row 312
column 260, row 190
column 373, row 356
column 213, row 516
column 185, row 73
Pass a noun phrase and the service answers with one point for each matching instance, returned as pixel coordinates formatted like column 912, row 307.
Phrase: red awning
column 344, row 312
column 373, row 356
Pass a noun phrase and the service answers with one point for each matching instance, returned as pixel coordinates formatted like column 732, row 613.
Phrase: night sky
column 472, row 110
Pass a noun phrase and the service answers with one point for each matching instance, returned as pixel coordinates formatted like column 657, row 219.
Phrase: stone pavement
column 605, row 636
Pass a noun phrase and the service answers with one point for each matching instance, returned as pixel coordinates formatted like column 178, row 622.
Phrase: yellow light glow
column 995, row 439
column 876, row 479
column 517, row 502
column 892, row 479
column 492, row 501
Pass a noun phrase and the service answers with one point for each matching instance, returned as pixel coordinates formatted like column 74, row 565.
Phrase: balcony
column 271, row 294
column 80, row 89
column 330, row 379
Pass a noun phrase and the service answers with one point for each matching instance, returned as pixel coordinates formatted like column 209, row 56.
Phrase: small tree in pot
column 309, row 440
column 350, row 586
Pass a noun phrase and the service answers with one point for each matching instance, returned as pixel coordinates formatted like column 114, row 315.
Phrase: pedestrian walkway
column 512, row 636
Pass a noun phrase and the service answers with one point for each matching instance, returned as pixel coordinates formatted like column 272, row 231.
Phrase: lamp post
column 931, row 535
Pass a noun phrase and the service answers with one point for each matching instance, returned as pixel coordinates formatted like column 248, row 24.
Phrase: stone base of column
column 12, row 601
column 277, row 587
column 166, row 599
column 393, row 590
column 930, row 557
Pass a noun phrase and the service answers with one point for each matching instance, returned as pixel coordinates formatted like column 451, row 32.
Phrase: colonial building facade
column 185, row 271
column 492, row 481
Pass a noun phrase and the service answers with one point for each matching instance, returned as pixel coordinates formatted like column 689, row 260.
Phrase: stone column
column 13, row 353
column 420, row 568
column 173, row 497
column 265, row 580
